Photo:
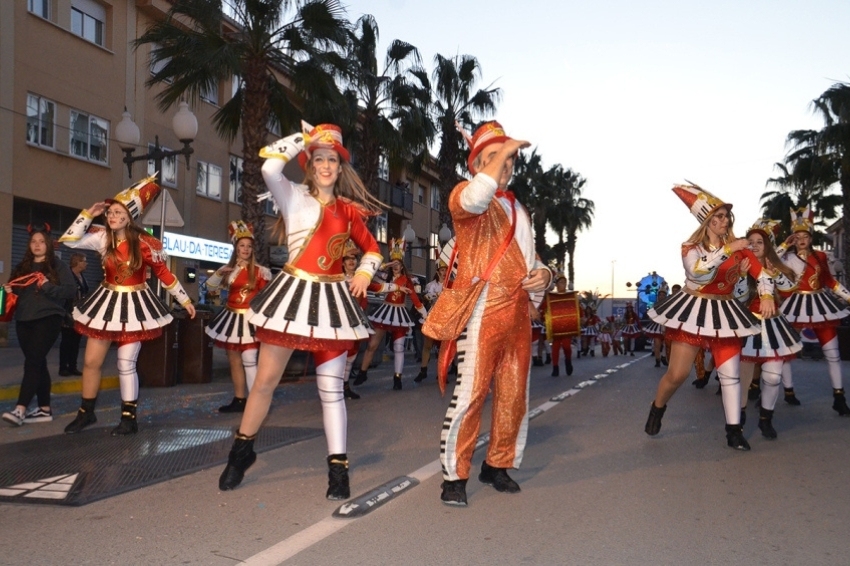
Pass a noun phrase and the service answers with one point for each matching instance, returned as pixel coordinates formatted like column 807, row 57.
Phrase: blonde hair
column 700, row 237
column 348, row 185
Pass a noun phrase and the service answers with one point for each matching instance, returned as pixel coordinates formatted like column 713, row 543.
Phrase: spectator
column 69, row 347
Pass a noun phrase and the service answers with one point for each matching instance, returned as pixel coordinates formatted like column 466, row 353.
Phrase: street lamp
column 409, row 235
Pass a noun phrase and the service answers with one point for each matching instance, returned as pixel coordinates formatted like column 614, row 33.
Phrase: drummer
column 560, row 309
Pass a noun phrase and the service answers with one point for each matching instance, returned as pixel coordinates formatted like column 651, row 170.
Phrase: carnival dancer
column 589, row 329
column 230, row 329
column 655, row 332
column 816, row 302
column 391, row 316
column 560, row 310
column 605, row 338
column 350, row 258
column 123, row 309
column 631, row 328
column 432, row 292
column 309, row 306
column 705, row 313
column 778, row 342
column 497, row 271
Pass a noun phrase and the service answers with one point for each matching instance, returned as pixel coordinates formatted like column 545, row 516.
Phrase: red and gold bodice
column 240, row 293
column 398, row 297
column 117, row 269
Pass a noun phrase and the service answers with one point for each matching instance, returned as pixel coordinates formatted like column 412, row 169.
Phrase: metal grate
column 79, row 469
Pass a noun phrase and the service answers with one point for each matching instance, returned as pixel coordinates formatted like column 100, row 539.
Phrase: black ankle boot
column 548, row 359
column 766, row 424
column 839, row 403
column 743, row 417
column 397, row 382
column 361, row 377
column 423, row 373
column 85, row 417
column 790, row 397
column 754, row 391
column 127, row 424
column 657, row 363
column 664, row 361
column 735, row 437
column 237, row 405
column 556, row 371
column 241, row 457
column 338, row 477
column 568, row 364
column 700, row 383
column 348, row 392
column 536, row 361
column 653, row 423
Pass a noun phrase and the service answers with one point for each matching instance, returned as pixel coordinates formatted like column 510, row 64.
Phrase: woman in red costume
column 123, row 309
column 589, row 330
column 309, row 305
column 391, row 316
column 655, row 332
column 230, row 329
column 631, row 329
column 705, row 313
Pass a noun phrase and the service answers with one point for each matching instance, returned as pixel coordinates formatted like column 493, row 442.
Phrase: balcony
column 397, row 196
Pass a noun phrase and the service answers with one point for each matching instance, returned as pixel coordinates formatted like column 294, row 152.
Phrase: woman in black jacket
column 38, row 320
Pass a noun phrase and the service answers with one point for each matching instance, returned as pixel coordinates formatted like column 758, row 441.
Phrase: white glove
column 286, row 148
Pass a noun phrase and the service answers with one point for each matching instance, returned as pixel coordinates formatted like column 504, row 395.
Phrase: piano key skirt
column 390, row 317
column 699, row 319
column 653, row 329
column 814, row 309
column 778, row 340
column 631, row 331
column 121, row 313
column 312, row 314
column 230, row 330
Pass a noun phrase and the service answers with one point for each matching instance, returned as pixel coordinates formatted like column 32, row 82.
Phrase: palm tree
column 534, row 187
column 457, row 101
column 393, row 102
column 571, row 213
column 197, row 46
column 831, row 144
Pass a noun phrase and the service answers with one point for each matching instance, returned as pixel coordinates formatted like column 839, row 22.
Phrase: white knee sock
column 771, row 376
column 833, row 359
column 398, row 349
column 787, row 379
column 329, row 381
column 249, row 362
column 349, row 362
column 128, row 379
column 730, row 389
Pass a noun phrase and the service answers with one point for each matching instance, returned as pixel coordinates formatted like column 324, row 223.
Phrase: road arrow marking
column 371, row 500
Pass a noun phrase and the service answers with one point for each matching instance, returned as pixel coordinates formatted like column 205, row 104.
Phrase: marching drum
column 562, row 315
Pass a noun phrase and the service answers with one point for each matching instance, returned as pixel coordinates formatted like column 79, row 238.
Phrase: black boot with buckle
column 127, row 424
column 766, row 424
column 348, row 392
column 839, row 403
column 338, row 487
column 653, row 423
column 85, row 417
column 735, row 437
column 241, row 457
column 237, row 405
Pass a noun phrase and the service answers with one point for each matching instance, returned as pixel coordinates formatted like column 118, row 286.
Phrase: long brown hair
column 27, row 264
column 770, row 256
column 700, row 237
column 348, row 185
column 133, row 235
column 234, row 257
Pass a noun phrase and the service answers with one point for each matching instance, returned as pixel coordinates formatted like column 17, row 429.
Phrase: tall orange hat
column 802, row 220
column 239, row 229
column 323, row 136
column 767, row 228
column 397, row 249
column 137, row 197
column 486, row 134
column 701, row 202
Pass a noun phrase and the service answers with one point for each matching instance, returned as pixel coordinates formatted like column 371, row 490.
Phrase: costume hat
column 701, row 202
column 239, row 229
column 323, row 136
column 137, row 197
column 488, row 133
column 768, row 228
column 802, row 220
column 351, row 250
column 397, row 249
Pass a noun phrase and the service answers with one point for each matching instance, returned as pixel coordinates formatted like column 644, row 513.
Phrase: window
column 420, row 193
column 89, row 137
column 435, row 197
column 434, row 251
column 169, row 167
column 87, row 20
column 235, row 85
column 39, row 8
column 159, row 65
column 381, row 228
column 209, row 180
column 41, row 114
column 419, row 247
column 383, row 168
column 210, row 93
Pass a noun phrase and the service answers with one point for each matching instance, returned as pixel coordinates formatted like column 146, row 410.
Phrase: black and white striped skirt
column 778, row 339
column 704, row 316
column 631, row 330
column 653, row 329
column 589, row 331
column 814, row 308
column 119, row 312
column 313, row 309
column 230, row 330
column 391, row 315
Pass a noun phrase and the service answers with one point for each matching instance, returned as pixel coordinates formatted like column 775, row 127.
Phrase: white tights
column 329, row 382
column 730, row 389
column 398, row 350
column 771, row 376
column 249, row 362
column 128, row 379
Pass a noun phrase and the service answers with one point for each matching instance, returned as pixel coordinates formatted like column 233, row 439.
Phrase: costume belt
column 812, row 292
column 301, row 274
column 124, row 288
column 237, row 311
column 726, row 297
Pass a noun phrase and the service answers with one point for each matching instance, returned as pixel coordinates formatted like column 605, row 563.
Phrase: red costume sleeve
column 154, row 257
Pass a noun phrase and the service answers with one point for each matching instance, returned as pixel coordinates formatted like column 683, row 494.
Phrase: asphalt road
column 595, row 488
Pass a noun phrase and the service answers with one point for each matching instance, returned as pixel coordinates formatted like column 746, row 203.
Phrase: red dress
column 230, row 329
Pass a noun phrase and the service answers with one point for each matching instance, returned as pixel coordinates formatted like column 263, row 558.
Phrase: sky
column 639, row 96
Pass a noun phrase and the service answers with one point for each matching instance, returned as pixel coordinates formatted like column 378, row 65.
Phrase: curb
column 62, row 387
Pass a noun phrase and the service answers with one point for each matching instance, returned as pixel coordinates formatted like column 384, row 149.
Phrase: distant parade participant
column 230, row 329
column 631, row 329
column 497, row 271
column 778, row 342
column 819, row 301
column 123, row 309
column 705, row 313
column 589, row 330
column 309, row 305
column 606, row 340
column 391, row 316
column 350, row 259
column 560, row 310
column 655, row 332
column 432, row 293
